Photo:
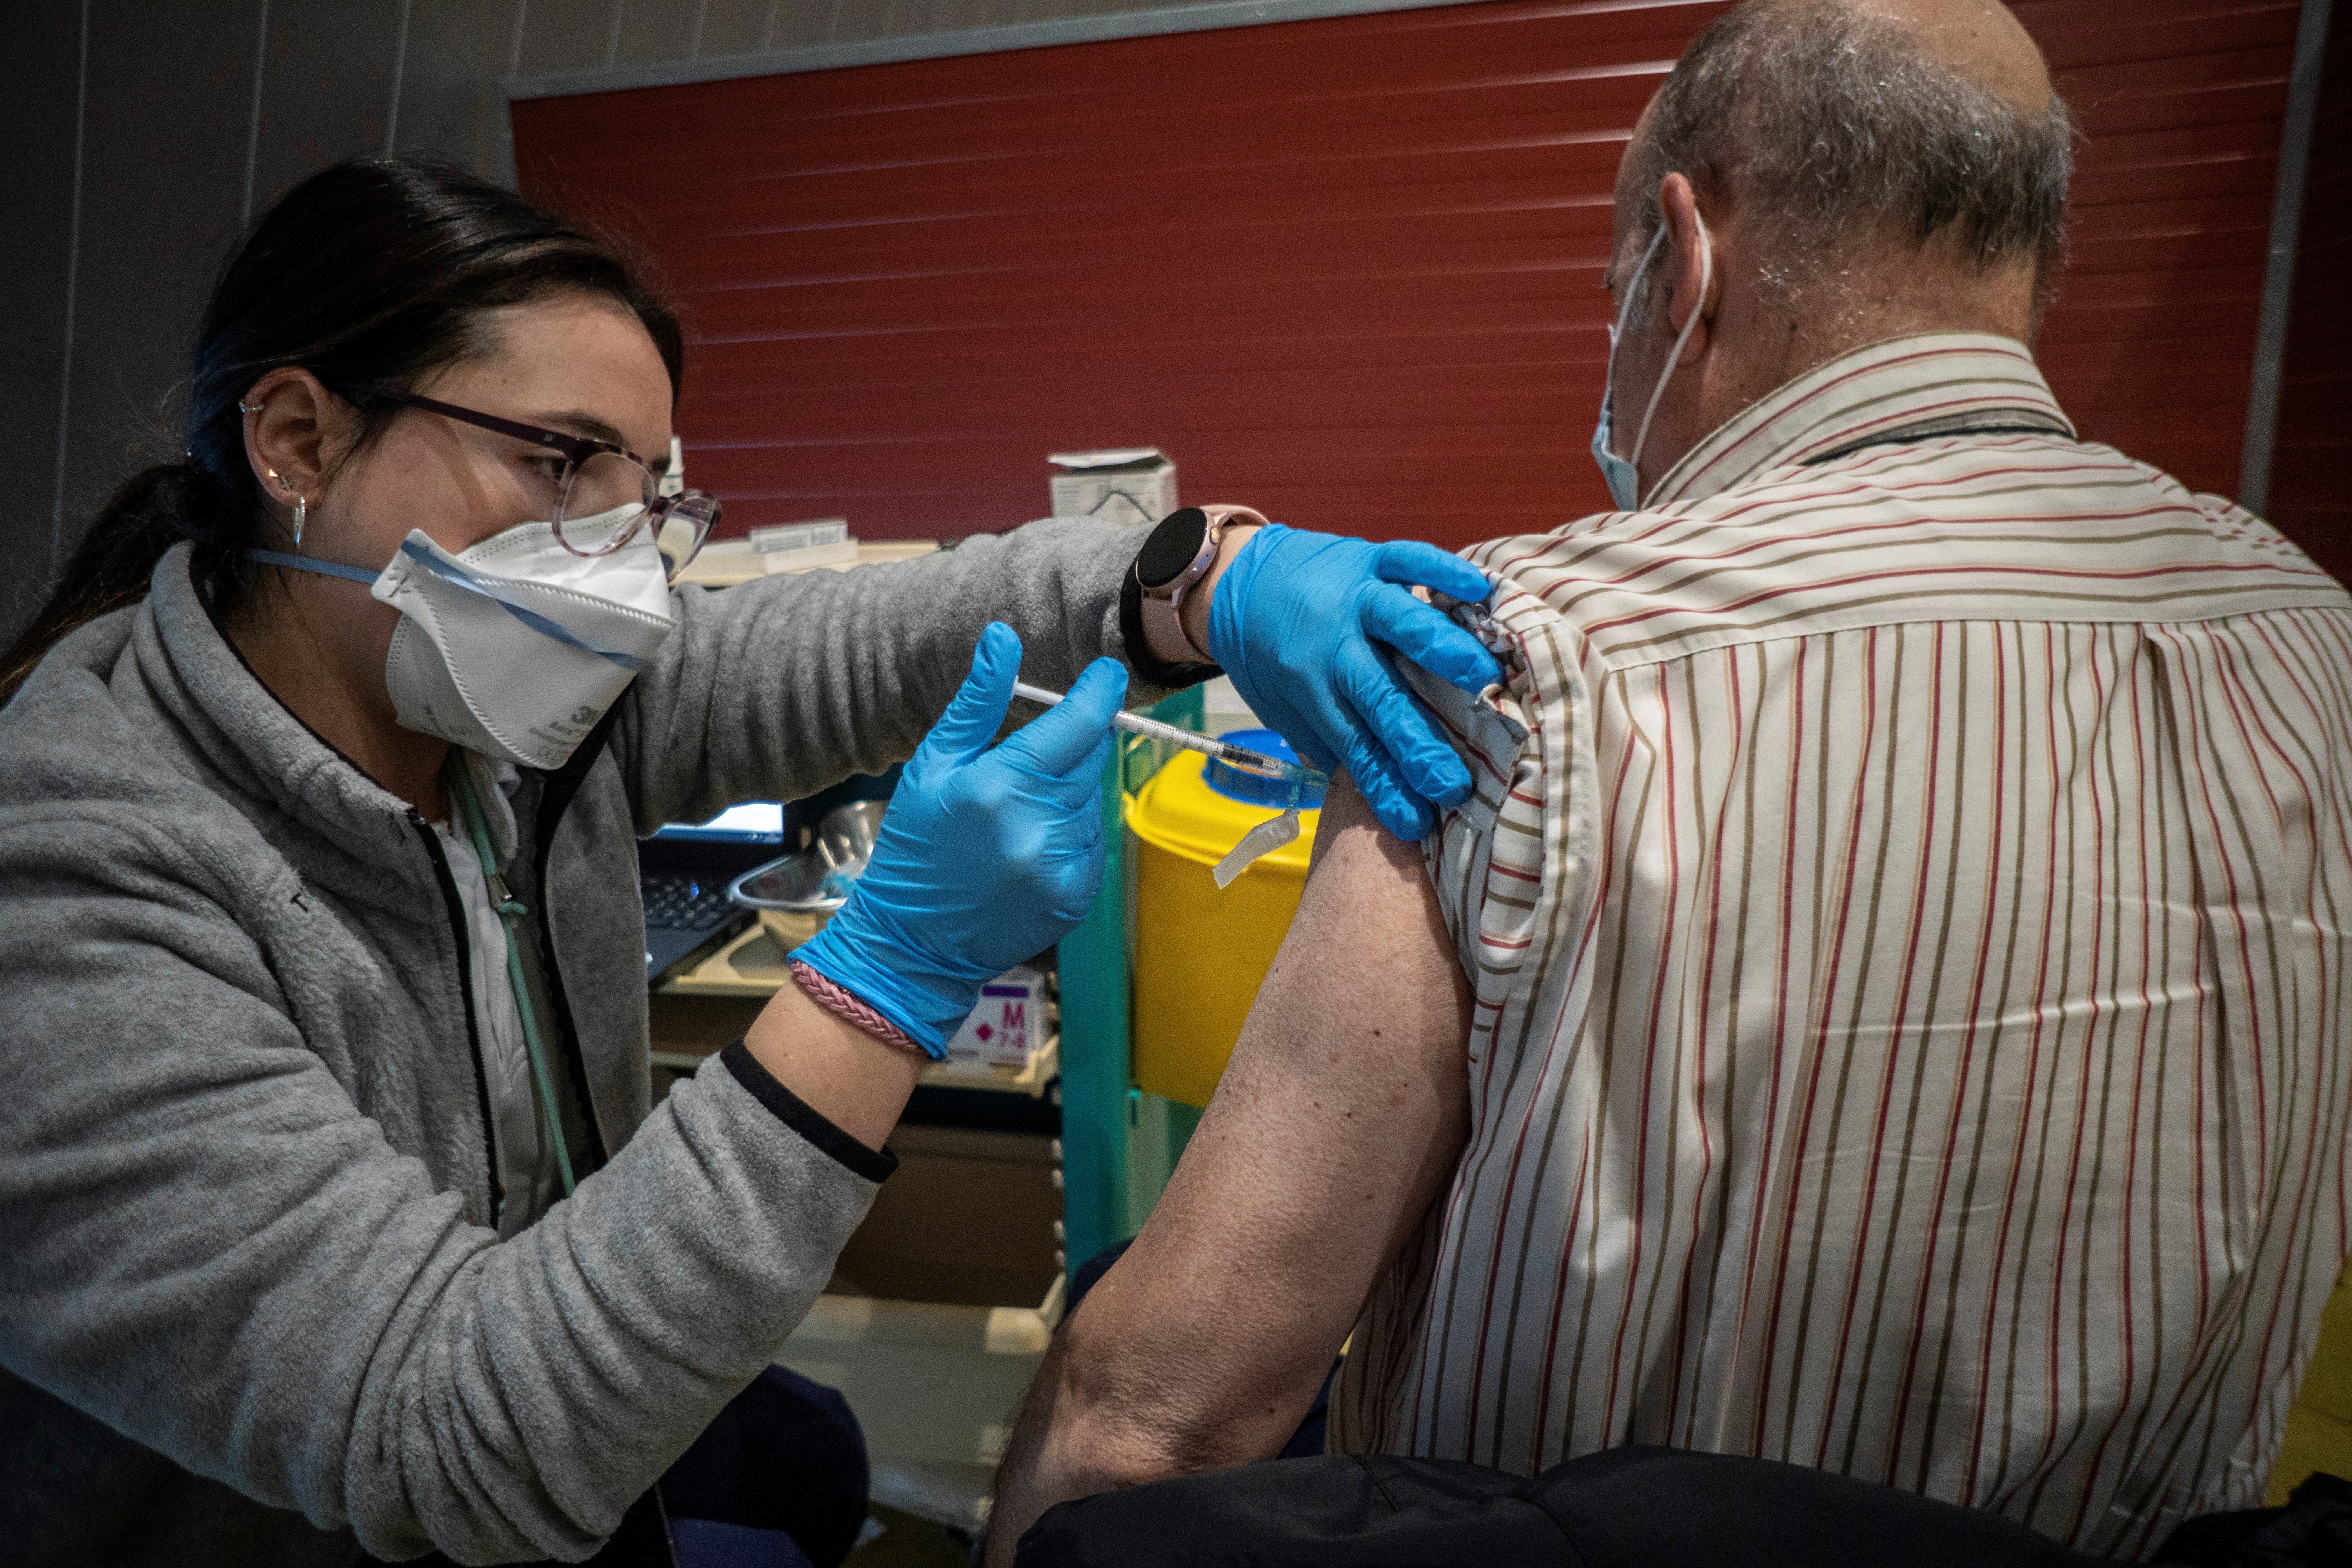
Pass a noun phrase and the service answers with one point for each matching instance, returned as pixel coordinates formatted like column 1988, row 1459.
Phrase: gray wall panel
column 37, row 186
column 856, row 19
column 173, row 140
column 655, row 30
column 801, row 24
column 909, row 18
column 567, row 35
column 954, row 14
column 449, row 103
column 164, row 187
column 735, row 27
column 326, row 87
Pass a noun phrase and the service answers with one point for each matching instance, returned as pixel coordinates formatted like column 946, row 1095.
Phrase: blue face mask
column 1624, row 481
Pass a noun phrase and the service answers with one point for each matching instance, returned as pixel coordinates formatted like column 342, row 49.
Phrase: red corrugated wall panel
column 1347, row 269
column 2309, row 498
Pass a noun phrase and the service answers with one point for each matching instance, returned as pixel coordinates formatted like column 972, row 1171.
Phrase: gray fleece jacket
column 250, row 1307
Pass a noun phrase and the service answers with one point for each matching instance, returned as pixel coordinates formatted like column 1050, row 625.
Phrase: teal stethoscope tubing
column 512, row 912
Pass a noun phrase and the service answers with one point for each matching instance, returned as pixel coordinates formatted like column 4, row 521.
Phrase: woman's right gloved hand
column 987, row 855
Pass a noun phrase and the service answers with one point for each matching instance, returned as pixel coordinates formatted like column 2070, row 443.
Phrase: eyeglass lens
column 607, row 501
column 683, row 529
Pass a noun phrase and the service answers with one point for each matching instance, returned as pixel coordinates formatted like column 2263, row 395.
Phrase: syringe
column 1224, row 752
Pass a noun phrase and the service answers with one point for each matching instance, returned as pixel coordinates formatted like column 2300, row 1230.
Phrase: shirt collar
column 494, row 783
column 1943, row 381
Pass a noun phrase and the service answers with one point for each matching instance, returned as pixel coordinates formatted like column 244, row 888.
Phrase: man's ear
column 288, row 439
column 1692, row 268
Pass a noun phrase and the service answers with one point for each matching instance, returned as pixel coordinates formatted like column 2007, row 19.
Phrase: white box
column 1125, row 484
column 1009, row 1021
column 806, row 535
column 782, row 563
column 790, row 547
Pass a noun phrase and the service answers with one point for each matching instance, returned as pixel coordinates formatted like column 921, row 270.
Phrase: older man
column 1884, row 1008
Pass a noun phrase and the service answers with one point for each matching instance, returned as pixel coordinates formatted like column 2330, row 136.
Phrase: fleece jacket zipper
column 456, row 909
column 555, row 799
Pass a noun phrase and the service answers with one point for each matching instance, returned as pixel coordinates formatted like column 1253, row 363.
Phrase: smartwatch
column 1177, row 555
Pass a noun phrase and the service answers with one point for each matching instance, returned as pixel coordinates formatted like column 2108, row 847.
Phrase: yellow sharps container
column 1201, row 952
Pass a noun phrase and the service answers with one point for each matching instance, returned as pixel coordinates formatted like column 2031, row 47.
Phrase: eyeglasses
column 604, row 493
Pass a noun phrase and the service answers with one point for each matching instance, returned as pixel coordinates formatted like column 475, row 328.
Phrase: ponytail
column 371, row 273
column 151, row 512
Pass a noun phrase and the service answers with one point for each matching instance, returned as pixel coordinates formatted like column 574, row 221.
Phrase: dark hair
column 373, row 272
column 1835, row 122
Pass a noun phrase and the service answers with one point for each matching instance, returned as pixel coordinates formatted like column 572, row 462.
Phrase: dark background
column 145, row 133
column 142, row 133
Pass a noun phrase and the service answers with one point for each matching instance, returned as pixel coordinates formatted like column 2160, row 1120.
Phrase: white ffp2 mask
column 515, row 647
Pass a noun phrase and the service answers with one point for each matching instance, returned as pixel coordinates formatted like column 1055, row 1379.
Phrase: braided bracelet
column 843, row 1003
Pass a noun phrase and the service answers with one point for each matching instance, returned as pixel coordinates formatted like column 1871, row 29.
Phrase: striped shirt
column 1904, row 902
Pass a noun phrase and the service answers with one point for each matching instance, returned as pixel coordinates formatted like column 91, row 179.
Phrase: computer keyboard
column 683, row 903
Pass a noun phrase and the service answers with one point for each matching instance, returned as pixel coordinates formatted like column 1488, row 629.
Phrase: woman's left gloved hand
column 988, row 855
column 1294, row 620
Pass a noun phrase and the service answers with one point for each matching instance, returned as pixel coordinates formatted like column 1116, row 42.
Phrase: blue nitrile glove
column 987, row 855
column 1294, row 621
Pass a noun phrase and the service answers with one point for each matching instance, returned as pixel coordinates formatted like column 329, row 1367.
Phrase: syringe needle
column 1223, row 751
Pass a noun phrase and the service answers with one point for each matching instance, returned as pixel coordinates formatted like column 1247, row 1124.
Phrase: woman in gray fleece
column 320, row 954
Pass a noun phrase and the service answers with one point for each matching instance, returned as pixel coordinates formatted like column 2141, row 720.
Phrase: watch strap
column 1149, row 667
column 1163, row 625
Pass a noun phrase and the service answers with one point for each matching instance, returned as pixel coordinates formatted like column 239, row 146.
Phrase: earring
column 302, row 512
column 245, row 408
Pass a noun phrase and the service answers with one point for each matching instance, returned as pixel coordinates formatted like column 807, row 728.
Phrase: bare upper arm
column 1337, row 1125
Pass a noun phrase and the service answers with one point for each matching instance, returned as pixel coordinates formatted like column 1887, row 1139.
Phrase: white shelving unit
column 751, row 968
column 933, row 1382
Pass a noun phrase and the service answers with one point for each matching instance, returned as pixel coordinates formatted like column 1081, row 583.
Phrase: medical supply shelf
column 751, row 968
column 943, row 1300
column 1118, row 1144
column 933, row 1368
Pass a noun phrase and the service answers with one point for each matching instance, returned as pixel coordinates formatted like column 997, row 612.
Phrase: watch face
column 1171, row 547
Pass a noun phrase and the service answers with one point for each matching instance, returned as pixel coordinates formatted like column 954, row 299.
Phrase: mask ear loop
column 1641, row 271
column 1706, row 280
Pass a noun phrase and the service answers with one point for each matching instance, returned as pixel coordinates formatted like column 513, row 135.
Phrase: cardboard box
column 1125, row 484
column 1007, row 1025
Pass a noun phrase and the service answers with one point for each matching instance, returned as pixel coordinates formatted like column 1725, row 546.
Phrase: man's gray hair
column 1836, row 124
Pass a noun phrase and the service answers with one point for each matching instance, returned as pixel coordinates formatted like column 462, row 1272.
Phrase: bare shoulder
column 1366, row 981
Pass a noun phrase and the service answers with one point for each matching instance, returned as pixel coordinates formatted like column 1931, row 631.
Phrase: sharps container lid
column 1249, row 788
